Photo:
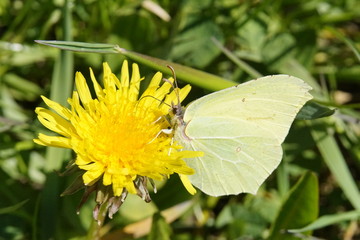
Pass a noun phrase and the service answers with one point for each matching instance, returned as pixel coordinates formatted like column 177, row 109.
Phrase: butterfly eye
column 167, row 131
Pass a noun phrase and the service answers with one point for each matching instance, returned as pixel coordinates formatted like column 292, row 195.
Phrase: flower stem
column 95, row 228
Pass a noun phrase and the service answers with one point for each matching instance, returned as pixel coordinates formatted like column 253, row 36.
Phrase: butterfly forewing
column 240, row 131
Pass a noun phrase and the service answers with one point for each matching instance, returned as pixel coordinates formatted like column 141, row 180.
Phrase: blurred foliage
column 315, row 40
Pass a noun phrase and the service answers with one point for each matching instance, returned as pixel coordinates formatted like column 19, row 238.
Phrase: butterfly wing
column 240, row 130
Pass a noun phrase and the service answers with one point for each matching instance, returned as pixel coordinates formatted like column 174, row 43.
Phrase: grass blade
column 196, row 77
column 334, row 159
column 327, row 220
column 187, row 74
column 10, row 209
column 61, row 86
column 241, row 64
column 80, row 46
column 349, row 43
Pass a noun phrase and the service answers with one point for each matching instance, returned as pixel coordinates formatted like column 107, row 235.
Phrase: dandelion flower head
column 118, row 136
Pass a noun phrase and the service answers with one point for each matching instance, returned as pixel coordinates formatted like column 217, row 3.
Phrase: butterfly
column 240, row 131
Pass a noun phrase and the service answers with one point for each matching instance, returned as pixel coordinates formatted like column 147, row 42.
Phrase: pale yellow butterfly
column 240, row 130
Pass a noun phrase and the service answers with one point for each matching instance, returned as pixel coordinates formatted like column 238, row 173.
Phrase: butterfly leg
column 167, row 131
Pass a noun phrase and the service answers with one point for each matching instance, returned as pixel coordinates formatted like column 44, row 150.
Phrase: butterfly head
column 176, row 109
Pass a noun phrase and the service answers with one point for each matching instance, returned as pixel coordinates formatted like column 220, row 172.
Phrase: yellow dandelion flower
column 119, row 137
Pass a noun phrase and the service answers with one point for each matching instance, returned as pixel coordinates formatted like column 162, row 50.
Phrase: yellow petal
column 107, row 179
column 118, row 190
column 83, row 89
column 93, row 175
column 53, row 141
column 172, row 98
column 125, row 75
column 134, row 83
column 54, row 122
column 187, row 184
column 108, row 79
column 156, row 80
column 61, row 110
column 98, row 90
column 150, row 95
column 83, row 162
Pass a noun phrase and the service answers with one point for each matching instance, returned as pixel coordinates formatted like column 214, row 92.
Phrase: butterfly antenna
column 177, row 107
column 176, row 88
column 161, row 101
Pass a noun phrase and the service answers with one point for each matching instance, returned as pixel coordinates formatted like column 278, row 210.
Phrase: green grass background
column 315, row 190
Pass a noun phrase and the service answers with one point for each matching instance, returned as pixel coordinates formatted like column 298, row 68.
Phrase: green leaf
column 200, row 51
column 300, row 207
column 187, row 74
column 327, row 220
column 313, row 110
column 334, row 159
column 80, row 46
column 278, row 50
column 239, row 220
column 13, row 208
column 196, row 77
column 252, row 34
column 159, row 228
